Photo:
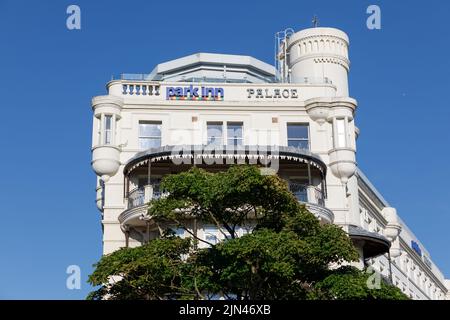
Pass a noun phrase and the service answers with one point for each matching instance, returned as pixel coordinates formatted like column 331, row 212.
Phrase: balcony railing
column 268, row 79
column 304, row 193
column 141, row 195
column 136, row 197
column 307, row 193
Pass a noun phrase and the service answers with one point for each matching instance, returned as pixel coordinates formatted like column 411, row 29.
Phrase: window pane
column 107, row 132
column 301, row 144
column 298, row 135
column 108, row 120
column 234, row 142
column 150, row 129
column 297, row 130
column 234, row 130
column 147, row 143
column 211, row 234
column 215, row 140
column 107, row 136
column 340, row 126
column 214, row 132
column 179, row 232
column 299, row 190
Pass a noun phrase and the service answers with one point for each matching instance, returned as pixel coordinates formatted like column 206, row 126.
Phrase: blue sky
column 399, row 75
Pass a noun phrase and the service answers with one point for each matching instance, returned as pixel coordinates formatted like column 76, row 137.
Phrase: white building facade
column 213, row 110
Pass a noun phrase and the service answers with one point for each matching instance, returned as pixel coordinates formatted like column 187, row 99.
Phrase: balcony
column 314, row 199
column 309, row 185
column 142, row 195
column 306, row 193
column 311, row 196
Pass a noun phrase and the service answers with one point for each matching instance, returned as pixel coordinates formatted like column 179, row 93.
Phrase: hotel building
column 296, row 118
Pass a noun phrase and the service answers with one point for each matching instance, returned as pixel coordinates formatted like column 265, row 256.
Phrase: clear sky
column 399, row 75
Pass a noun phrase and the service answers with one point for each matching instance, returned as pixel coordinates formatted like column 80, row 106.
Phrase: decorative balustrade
column 140, row 89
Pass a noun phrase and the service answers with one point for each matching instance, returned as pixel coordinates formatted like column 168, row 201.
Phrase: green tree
column 286, row 256
column 349, row 283
column 152, row 271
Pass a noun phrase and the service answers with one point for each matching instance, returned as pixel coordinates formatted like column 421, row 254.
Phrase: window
column 340, row 133
column 149, row 134
column 298, row 188
column 214, row 133
column 220, row 133
column 178, row 232
column 108, row 130
column 298, row 135
column 211, row 234
column 234, row 133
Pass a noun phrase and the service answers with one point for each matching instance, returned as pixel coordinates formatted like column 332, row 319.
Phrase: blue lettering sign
column 415, row 246
column 195, row 93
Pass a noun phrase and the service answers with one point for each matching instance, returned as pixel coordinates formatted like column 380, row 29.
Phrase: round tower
column 319, row 54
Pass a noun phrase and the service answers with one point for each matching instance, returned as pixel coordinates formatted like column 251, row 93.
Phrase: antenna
column 281, row 54
column 315, row 21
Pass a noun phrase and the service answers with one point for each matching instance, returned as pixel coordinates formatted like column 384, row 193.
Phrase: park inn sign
column 204, row 93
column 194, row 93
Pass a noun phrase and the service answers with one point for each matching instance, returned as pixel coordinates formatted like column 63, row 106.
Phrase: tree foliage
column 287, row 256
column 349, row 283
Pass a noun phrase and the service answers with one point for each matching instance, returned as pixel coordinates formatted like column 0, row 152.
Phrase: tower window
column 108, row 129
column 340, row 133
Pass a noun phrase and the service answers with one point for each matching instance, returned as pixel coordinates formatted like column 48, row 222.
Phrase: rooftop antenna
column 315, row 21
column 281, row 59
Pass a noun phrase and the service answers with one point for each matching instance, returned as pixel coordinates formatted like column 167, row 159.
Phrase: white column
column 148, row 193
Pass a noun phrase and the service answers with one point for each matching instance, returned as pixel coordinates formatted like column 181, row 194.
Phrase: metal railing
column 157, row 192
column 307, row 193
column 268, row 79
column 136, row 197
column 303, row 193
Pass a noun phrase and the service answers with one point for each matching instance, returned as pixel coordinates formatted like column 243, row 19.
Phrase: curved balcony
column 147, row 167
column 311, row 196
column 137, row 204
